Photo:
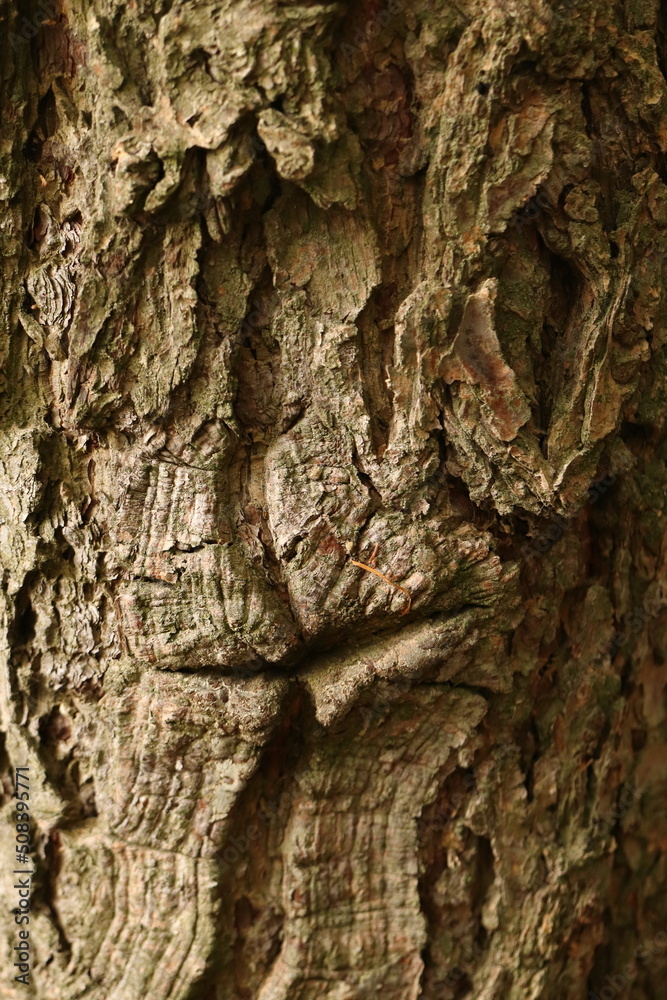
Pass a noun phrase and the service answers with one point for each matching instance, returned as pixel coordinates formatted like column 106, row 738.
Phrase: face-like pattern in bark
column 292, row 288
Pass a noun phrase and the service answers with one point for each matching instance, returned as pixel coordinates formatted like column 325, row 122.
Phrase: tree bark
column 333, row 477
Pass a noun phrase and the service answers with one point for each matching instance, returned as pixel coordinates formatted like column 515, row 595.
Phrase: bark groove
column 287, row 288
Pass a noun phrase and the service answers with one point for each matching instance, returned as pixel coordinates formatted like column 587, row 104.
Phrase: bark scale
column 287, row 288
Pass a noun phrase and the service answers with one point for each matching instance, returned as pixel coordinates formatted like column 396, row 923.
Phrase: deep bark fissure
column 289, row 288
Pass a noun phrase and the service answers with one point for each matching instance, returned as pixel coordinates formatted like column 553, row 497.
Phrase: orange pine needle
column 371, row 569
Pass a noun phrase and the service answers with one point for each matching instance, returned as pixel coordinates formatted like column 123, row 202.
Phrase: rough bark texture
column 286, row 288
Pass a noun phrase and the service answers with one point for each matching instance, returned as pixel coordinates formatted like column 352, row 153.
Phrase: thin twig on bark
column 371, row 569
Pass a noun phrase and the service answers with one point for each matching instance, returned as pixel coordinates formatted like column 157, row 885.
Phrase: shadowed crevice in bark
column 290, row 287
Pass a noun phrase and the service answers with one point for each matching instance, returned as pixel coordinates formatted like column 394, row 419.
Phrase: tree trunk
column 333, row 477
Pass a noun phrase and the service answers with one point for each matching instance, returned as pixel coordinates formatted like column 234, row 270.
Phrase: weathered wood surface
column 286, row 287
